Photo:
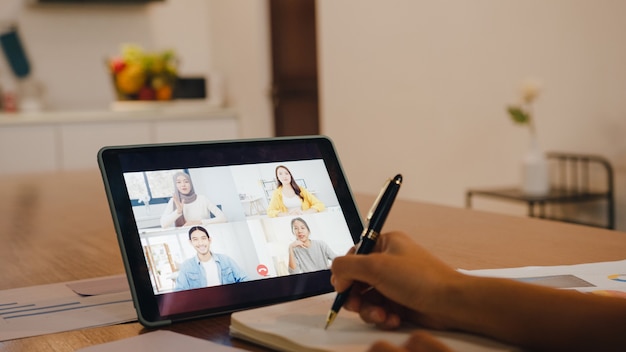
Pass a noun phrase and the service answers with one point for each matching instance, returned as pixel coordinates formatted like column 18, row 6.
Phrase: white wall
column 241, row 51
column 68, row 44
column 421, row 84
column 420, row 87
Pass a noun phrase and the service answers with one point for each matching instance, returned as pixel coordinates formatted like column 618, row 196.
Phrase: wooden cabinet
column 70, row 141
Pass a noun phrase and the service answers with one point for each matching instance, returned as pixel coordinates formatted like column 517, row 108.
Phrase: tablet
column 212, row 227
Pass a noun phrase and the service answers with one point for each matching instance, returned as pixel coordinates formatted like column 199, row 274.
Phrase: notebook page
column 299, row 325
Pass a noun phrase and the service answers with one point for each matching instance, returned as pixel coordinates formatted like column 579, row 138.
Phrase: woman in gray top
column 306, row 254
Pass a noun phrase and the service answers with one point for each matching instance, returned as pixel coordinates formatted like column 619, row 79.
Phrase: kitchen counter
column 122, row 111
column 70, row 140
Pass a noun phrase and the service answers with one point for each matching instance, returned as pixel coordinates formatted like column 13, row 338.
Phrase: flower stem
column 531, row 120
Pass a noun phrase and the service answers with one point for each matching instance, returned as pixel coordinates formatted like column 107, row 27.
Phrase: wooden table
column 57, row 227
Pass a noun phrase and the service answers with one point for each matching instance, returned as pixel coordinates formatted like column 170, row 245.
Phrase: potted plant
column 535, row 177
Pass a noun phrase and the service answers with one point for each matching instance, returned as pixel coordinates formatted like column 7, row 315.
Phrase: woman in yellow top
column 289, row 198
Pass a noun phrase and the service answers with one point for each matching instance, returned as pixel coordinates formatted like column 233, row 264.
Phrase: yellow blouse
column 277, row 206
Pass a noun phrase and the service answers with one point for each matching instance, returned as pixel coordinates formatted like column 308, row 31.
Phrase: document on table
column 299, row 326
column 604, row 278
column 45, row 309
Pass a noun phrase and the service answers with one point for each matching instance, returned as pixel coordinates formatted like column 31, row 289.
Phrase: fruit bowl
column 140, row 75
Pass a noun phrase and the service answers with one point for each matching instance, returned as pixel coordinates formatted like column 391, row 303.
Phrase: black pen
column 375, row 220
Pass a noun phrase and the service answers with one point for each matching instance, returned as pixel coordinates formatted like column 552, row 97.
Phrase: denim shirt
column 192, row 274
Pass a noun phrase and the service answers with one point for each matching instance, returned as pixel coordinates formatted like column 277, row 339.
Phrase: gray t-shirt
column 314, row 258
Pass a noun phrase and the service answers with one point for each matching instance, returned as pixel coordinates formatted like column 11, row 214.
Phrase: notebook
column 205, row 228
column 299, row 326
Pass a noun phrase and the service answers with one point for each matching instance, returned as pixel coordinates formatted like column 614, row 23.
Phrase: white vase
column 535, row 177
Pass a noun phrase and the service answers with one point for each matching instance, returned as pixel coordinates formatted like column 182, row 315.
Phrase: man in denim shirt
column 206, row 268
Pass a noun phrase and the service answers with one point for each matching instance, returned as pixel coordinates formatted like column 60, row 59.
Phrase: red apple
column 117, row 65
column 147, row 93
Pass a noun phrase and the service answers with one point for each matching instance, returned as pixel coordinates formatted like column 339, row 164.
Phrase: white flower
column 530, row 89
column 522, row 114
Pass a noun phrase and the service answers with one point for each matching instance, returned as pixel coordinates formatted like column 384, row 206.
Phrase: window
column 154, row 187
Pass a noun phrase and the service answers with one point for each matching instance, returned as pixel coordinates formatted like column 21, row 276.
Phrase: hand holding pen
column 375, row 219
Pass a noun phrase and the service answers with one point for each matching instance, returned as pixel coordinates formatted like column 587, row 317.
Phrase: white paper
column 299, row 326
column 100, row 285
column 606, row 278
column 46, row 309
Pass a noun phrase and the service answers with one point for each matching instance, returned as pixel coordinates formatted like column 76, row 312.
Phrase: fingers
column 425, row 342
column 421, row 341
column 407, row 282
column 396, row 257
column 297, row 243
column 384, row 346
column 347, row 269
column 377, row 309
column 370, row 268
column 382, row 318
column 366, row 269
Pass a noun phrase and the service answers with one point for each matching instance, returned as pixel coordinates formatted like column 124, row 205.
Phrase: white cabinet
column 70, row 141
column 80, row 142
column 27, row 149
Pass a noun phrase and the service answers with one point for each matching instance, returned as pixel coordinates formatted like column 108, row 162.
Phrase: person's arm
column 170, row 214
column 216, row 211
column 293, row 262
column 276, row 205
column 229, row 269
column 327, row 251
column 537, row 316
column 411, row 284
column 310, row 203
column 239, row 274
column 181, row 279
column 330, row 253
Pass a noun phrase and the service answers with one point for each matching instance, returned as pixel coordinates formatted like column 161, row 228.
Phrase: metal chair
column 577, row 178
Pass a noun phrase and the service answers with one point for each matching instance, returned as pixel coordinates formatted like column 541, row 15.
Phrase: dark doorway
column 294, row 67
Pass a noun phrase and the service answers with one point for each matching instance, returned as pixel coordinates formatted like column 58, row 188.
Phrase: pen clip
column 375, row 205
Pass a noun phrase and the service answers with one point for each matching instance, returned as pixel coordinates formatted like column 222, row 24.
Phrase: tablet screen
column 207, row 228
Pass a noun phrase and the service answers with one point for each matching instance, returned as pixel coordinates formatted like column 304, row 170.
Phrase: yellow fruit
column 157, row 82
column 158, row 65
column 130, row 79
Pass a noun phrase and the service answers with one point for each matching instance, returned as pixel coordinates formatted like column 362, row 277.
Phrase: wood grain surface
column 57, row 227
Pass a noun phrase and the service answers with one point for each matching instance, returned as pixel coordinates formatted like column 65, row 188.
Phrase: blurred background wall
column 418, row 87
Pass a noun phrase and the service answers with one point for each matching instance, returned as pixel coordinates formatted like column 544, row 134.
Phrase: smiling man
column 206, row 268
